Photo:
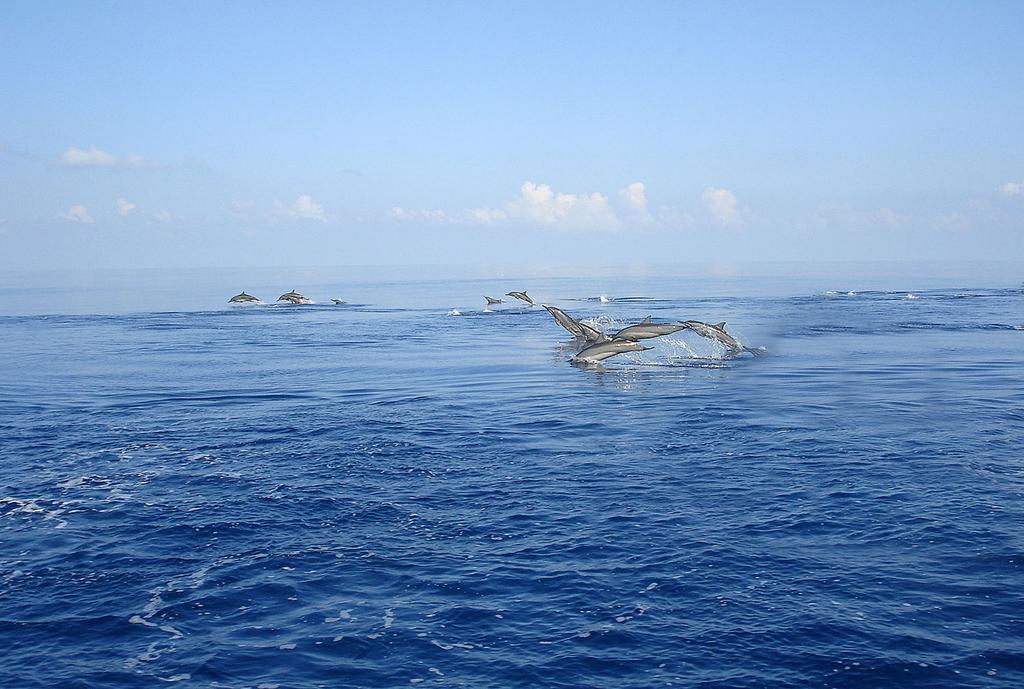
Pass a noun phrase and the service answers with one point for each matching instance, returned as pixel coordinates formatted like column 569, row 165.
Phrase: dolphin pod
column 594, row 344
column 597, row 346
column 292, row 297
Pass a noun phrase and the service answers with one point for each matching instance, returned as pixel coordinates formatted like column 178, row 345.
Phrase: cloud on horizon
column 538, row 205
column 96, row 157
column 1012, row 189
column 77, row 214
column 303, row 208
column 125, row 207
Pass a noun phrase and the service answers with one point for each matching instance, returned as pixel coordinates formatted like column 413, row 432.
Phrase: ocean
column 383, row 494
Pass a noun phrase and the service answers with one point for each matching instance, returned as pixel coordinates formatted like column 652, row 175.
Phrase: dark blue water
column 383, row 495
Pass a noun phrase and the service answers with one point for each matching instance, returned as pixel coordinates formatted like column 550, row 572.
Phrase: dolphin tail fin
column 756, row 351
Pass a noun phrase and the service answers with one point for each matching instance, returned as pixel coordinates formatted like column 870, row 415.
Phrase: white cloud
column 721, row 204
column 1012, row 189
column 426, row 215
column 634, row 200
column 538, row 204
column 303, row 207
column 163, row 216
column 635, row 197
column 95, row 157
column 77, row 214
column 541, row 206
column 125, row 207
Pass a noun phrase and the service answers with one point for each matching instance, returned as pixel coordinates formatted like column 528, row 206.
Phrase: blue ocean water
column 381, row 494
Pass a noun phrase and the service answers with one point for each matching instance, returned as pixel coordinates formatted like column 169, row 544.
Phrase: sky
column 171, row 135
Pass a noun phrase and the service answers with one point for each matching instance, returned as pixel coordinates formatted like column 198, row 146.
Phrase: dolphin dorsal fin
column 720, row 326
column 646, row 320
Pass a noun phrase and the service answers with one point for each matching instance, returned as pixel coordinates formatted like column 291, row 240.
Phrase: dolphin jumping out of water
column 491, row 301
column 522, row 296
column 599, row 351
column 294, row 298
column 565, row 320
column 578, row 329
column 717, row 333
column 647, row 329
column 242, row 298
column 338, row 302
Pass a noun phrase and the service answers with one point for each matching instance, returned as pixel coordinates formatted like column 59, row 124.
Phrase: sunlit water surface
column 382, row 494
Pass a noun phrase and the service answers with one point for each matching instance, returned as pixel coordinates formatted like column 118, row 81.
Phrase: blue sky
column 152, row 134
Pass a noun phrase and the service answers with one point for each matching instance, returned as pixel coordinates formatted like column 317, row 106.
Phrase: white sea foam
column 454, row 312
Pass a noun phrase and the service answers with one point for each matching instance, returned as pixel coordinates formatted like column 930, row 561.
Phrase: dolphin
column 599, row 351
column 242, row 298
column 717, row 333
column 522, row 296
column 647, row 329
column 294, row 298
column 338, row 302
column 565, row 320
column 491, row 301
column 578, row 329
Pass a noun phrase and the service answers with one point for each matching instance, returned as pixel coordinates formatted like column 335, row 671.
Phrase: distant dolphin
column 242, row 298
column 338, row 302
column 717, row 333
column 600, row 351
column 522, row 296
column 647, row 329
column 578, row 329
column 491, row 301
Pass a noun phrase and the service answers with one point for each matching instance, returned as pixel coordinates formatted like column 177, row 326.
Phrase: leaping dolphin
column 717, row 333
column 565, row 320
column 294, row 298
column 242, row 298
column 647, row 329
column 338, row 302
column 522, row 296
column 578, row 329
column 600, row 351
column 491, row 301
